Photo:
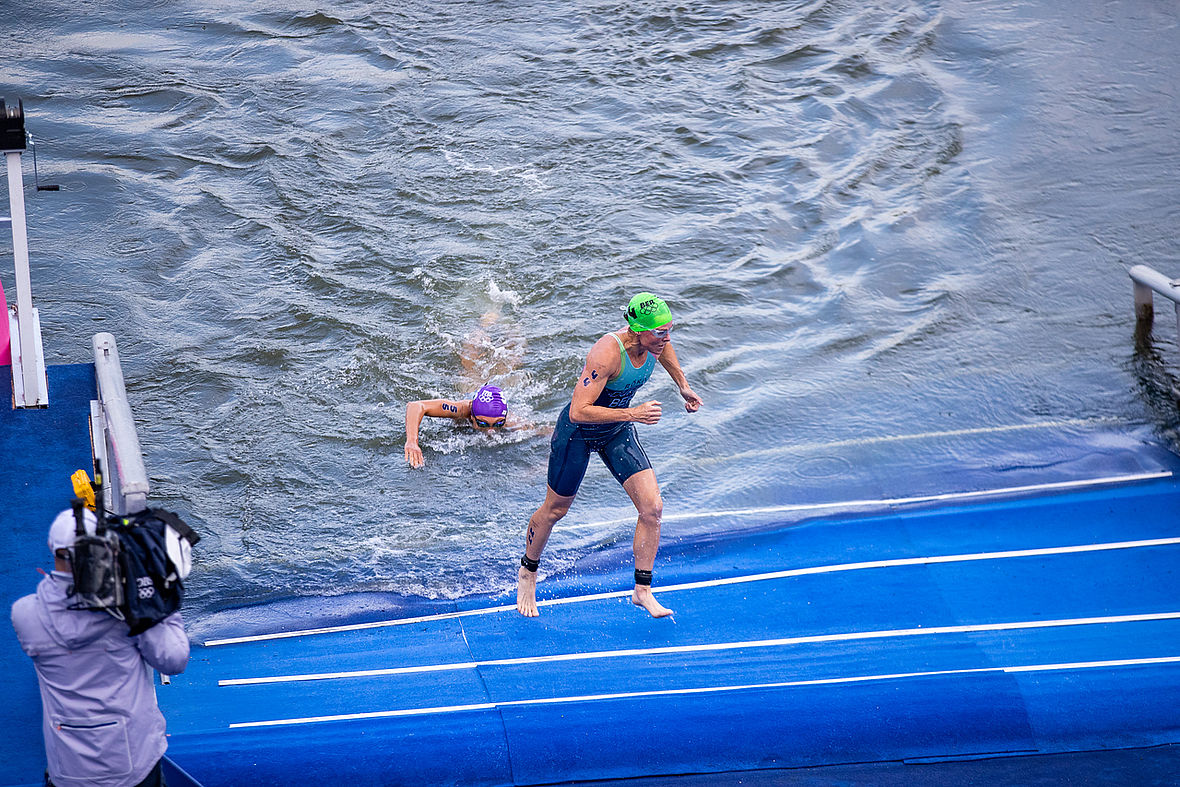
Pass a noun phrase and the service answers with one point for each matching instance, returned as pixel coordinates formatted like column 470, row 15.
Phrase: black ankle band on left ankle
column 642, row 577
column 529, row 563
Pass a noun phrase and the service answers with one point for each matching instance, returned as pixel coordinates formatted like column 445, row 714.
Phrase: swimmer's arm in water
column 435, row 408
column 668, row 360
column 472, row 349
column 602, row 364
column 514, row 424
column 506, row 349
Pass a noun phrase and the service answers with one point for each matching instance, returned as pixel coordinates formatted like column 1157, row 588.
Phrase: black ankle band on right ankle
column 529, row 563
column 642, row 577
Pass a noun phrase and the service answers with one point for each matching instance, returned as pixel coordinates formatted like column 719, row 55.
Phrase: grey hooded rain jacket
column 100, row 720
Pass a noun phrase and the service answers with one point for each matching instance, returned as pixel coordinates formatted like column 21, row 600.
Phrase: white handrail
column 126, row 482
column 1148, row 280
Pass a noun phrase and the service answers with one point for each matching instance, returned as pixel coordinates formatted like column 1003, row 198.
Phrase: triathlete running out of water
column 486, row 412
column 600, row 418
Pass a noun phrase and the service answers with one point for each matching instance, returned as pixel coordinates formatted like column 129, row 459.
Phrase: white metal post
column 1146, row 281
column 1144, row 308
column 31, row 367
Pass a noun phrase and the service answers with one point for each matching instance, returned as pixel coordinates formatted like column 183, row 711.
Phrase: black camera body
column 98, row 581
column 133, row 566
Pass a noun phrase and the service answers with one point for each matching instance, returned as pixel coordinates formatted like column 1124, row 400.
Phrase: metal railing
column 29, row 382
column 114, row 439
column 1148, row 280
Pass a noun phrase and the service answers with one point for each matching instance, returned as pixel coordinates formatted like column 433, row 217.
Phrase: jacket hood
column 71, row 628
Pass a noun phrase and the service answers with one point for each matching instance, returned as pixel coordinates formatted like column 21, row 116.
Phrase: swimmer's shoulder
column 606, row 353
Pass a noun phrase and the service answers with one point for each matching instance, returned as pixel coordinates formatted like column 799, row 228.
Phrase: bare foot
column 642, row 596
column 526, row 592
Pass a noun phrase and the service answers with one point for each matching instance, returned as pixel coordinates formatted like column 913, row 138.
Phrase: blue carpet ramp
column 1019, row 626
column 41, row 449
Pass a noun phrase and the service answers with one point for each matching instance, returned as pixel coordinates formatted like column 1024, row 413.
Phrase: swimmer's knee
column 556, row 505
column 554, row 515
column 551, row 512
column 652, row 513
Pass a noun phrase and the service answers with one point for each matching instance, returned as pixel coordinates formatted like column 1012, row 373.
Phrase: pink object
column 5, row 346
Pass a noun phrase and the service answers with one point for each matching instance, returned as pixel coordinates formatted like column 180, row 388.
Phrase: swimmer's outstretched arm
column 436, row 408
column 668, row 360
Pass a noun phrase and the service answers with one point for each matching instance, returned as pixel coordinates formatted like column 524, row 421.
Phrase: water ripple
column 297, row 219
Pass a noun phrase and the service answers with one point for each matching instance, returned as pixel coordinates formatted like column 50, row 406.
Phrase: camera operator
column 100, row 719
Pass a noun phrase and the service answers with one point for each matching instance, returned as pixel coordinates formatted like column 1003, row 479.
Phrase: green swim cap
column 647, row 311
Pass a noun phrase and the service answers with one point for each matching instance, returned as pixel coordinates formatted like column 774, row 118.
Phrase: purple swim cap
column 488, row 402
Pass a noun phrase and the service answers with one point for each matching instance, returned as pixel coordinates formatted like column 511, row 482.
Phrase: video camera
column 134, row 566
column 97, row 579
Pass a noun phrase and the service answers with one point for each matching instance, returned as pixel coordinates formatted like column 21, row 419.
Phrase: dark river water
column 894, row 236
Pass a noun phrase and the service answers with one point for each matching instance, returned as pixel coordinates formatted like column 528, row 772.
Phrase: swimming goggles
column 661, row 333
column 482, row 424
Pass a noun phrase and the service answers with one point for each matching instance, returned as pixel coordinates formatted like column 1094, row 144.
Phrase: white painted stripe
column 869, row 505
column 713, row 647
column 1073, row 666
column 930, row 560
column 794, row 572
column 857, row 442
column 373, row 625
column 362, row 673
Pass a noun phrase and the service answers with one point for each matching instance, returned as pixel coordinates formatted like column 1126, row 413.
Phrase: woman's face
column 655, row 341
column 483, row 424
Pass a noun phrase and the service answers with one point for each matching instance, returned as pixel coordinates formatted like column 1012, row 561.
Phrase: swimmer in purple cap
column 485, row 412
